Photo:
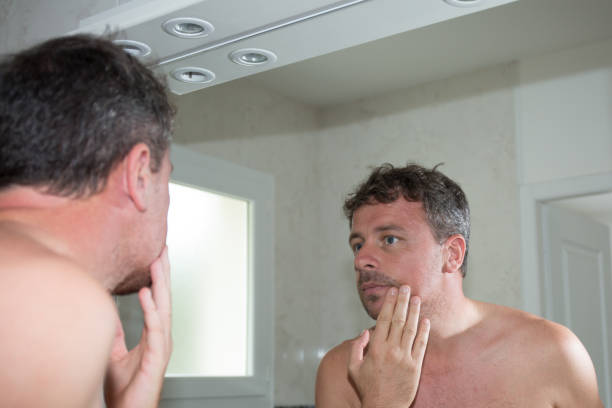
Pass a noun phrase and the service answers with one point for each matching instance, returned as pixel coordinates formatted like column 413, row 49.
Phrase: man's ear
column 454, row 252
column 138, row 175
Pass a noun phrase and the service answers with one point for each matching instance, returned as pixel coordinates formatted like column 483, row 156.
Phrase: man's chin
column 372, row 308
column 133, row 283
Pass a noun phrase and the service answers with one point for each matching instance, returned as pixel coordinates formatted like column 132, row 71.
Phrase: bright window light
column 208, row 248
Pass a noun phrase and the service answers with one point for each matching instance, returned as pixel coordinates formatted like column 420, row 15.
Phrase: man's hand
column 134, row 379
column 388, row 376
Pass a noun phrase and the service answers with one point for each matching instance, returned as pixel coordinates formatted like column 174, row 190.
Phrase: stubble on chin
column 133, row 282
column 373, row 303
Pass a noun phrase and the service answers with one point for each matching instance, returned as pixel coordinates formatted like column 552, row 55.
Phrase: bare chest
column 490, row 383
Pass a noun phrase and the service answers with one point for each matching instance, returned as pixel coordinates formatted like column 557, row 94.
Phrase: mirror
column 499, row 96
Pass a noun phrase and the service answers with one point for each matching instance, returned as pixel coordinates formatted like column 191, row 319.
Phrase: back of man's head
column 71, row 108
column 444, row 202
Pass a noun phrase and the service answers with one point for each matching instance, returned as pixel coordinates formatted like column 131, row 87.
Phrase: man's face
column 393, row 245
column 161, row 203
column 151, row 236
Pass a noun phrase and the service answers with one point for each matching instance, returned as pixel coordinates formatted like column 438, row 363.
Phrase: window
column 221, row 240
column 208, row 244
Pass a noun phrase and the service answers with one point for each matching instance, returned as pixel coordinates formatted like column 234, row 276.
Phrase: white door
column 577, row 283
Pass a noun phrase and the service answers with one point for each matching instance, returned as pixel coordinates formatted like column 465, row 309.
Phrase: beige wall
column 318, row 156
column 564, row 114
column 26, row 22
column 264, row 131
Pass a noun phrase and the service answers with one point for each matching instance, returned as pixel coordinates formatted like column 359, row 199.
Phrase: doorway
column 576, row 274
column 563, row 193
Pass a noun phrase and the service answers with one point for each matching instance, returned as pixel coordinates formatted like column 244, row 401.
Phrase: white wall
column 26, row 22
column 564, row 114
column 564, row 137
column 263, row 131
column 465, row 122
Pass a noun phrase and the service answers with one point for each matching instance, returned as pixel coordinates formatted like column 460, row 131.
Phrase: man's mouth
column 374, row 289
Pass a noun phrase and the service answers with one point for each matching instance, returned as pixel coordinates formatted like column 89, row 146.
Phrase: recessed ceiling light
column 193, row 75
column 134, row 48
column 188, row 27
column 463, row 3
column 252, row 56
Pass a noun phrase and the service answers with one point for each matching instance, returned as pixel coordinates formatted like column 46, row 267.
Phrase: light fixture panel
column 188, row 27
column 135, row 48
column 252, row 56
column 464, row 3
column 193, row 75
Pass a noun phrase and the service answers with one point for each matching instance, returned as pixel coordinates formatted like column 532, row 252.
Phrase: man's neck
column 71, row 228
column 451, row 317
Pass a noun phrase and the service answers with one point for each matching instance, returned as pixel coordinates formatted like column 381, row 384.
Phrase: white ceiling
column 269, row 25
column 365, row 49
column 501, row 34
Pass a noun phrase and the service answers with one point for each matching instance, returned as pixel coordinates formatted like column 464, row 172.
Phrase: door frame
column 530, row 196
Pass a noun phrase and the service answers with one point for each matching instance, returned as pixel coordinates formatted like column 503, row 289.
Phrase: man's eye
column 357, row 247
column 390, row 240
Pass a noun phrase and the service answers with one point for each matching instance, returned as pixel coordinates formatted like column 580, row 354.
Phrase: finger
column 410, row 328
column 399, row 316
column 165, row 258
column 154, row 336
column 149, row 309
column 160, row 277
column 119, row 348
column 357, row 348
column 420, row 343
column 381, row 332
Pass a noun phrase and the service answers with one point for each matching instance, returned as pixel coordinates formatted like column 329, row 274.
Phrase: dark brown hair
column 446, row 207
column 72, row 108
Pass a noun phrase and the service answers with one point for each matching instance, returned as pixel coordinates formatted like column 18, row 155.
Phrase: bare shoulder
column 58, row 327
column 550, row 354
column 566, row 361
column 333, row 387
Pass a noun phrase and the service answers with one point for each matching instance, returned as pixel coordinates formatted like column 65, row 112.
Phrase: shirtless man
column 84, row 170
column 410, row 226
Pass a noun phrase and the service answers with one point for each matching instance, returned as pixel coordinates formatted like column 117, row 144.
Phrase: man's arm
column 57, row 331
column 333, row 388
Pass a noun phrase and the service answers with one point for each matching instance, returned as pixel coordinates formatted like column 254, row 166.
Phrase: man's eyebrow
column 389, row 227
column 382, row 228
column 354, row 235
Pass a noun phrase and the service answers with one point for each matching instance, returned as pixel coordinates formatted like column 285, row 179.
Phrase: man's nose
column 367, row 257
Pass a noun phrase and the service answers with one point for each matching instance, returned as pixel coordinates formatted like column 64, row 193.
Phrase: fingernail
column 393, row 291
column 415, row 300
column 405, row 289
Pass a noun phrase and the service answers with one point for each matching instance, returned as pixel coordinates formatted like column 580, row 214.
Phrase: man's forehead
column 400, row 212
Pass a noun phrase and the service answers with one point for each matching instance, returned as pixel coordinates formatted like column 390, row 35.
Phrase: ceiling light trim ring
column 193, row 75
column 134, row 48
column 237, row 56
column 172, row 27
column 464, row 3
